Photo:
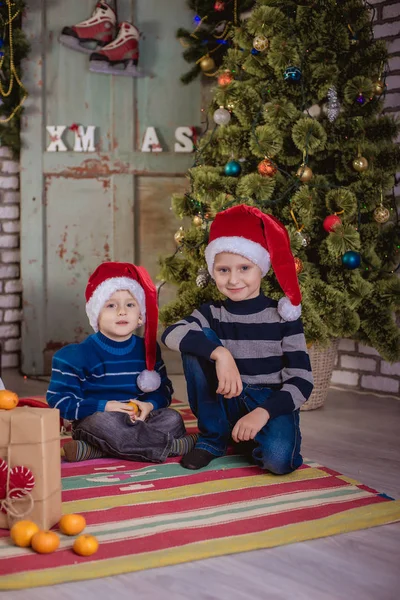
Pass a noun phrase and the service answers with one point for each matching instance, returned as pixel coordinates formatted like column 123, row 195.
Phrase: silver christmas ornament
column 333, row 104
column 305, row 240
column 222, row 116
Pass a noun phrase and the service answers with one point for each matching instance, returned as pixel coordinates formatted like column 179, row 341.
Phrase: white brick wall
column 10, row 285
column 358, row 365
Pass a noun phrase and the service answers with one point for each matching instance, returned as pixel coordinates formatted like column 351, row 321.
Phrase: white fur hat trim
column 238, row 245
column 105, row 290
column 287, row 310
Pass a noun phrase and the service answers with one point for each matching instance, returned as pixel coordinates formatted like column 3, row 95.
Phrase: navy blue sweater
column 86, row 376
column 267, row 350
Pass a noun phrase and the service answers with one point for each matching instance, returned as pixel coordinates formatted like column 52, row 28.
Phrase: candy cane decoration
column 20, row 477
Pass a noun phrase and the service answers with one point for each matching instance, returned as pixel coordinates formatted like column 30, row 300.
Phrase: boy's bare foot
column 197, row 459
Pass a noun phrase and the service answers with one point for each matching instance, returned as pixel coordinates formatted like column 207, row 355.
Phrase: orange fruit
column 135, row 407
column 8, row 400
column 22, row 533
column 85, row 545
column 45, row 542
column 72, row 524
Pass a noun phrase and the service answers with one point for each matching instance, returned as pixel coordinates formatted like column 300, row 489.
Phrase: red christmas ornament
column 266, row 168
column 219, row 6
column 298, row 263
column 331, row 222
column 225, row 78
column 20, row 477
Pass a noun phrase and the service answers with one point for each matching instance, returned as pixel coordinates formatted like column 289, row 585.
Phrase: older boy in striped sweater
column 245, row 359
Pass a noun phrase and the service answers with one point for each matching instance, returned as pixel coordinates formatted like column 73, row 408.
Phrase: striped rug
column 151, row 515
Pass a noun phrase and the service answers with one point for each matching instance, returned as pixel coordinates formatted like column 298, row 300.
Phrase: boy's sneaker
column 92, row 34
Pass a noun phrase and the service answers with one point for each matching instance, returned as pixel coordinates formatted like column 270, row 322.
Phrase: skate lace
column 100, row 5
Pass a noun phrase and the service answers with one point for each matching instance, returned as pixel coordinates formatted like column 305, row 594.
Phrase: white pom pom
column 148, row 381
column 287, row 310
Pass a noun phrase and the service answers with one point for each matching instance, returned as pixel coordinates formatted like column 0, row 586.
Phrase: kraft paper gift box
column 30, row 437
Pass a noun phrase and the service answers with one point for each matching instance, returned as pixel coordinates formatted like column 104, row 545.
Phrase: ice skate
column 92, row 34
column 121, row 56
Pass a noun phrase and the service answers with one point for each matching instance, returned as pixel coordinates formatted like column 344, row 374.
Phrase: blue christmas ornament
column 233, row 168
column 255, row 52
column 292, row 74
column 351, row 260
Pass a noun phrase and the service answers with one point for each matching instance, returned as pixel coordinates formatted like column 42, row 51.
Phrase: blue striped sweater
column 268, row 350
column 86, row 376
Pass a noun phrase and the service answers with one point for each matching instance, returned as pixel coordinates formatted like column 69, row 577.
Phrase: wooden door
column 82, row 208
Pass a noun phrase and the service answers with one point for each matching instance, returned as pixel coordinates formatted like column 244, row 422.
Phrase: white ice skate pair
column 111, row 52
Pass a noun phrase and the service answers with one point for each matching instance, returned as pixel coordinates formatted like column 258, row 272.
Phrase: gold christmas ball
column 225, row 78
column 197, row 220
column 260, row 43
column 266, row 168
column 179, row 236
column 381, row 214
column 230, row 106
column 298, row 263
column 207, row 64
column 360, row 164
column 304, row 173
column 378, row 87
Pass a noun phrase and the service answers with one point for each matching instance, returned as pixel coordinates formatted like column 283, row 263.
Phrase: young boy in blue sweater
column 93, row 382
column 245, row 359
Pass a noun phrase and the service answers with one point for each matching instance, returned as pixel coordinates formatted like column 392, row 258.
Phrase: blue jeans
column 276, row 446
column 116, row 435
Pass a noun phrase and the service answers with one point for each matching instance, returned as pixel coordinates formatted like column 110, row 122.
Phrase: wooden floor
column 356, row 434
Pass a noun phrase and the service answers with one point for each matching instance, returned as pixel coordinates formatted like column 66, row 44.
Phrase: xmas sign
column 185, row 138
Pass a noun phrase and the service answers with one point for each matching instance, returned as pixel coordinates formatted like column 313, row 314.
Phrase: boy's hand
column 145, row 409
column 248, row 426
column 117, row 406
column 229, row 381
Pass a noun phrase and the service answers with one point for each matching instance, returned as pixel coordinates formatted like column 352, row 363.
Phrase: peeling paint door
column 80, row 209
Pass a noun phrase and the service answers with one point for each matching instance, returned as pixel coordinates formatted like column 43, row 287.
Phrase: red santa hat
column 110, row 277
column 264, row 240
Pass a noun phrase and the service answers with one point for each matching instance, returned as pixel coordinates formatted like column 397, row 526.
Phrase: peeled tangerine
column 22, row 533
column 45, row 542
column 85, row 545
column 8, row 400
column 72, row 524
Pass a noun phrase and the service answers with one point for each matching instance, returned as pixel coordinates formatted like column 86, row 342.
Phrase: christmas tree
column 207, row 43
column 13, row 48
column 300, row 133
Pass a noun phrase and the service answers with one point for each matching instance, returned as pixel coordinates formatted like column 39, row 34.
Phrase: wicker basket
column 322, row 363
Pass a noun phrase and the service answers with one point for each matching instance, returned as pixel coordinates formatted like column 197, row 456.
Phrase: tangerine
column 45, row 542
column 135, row 407
column 8, row 400
column 72, row 524
column 22, row 533
column 85, row 545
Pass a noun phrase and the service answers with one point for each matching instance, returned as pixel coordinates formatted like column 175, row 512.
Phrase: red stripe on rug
column 122, row 513
column 158, row 484
column 180, row 537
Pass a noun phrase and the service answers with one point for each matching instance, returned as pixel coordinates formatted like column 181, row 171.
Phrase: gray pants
column 116, row 435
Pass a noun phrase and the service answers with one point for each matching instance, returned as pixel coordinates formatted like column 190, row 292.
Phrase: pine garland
column 211, row 36
column 14, row 48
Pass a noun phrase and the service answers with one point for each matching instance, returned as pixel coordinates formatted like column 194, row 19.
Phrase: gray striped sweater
column 267, row 350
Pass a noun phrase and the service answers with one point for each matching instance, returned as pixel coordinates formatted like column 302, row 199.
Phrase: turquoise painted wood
column 80, row 209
